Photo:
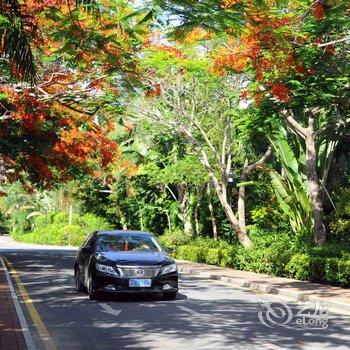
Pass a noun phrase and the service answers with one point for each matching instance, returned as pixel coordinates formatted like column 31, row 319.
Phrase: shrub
column 339, row 222
column 320, row 269
column 60, row 218
column 269, row 217
column 298, row 267
column 42, row 221
column 332, row 271
column 227, row 256
column 213, row 256
column 343, row 276
column 175, row 237
column 54, row 229
column 308, row 268
column 276, row 254
column 329, row 250
column 317, row 269
column 190, row 253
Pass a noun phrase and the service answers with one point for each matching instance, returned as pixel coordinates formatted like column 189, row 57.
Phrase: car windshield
column 124, row 242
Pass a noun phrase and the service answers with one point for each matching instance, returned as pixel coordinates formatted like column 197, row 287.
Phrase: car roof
column 126, row 232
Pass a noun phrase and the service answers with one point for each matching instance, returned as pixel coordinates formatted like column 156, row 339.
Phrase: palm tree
column 16, row 34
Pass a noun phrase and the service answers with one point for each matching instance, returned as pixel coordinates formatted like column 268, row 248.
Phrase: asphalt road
column 206, row 314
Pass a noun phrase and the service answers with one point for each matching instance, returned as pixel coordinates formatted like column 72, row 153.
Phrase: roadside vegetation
column 225, row 132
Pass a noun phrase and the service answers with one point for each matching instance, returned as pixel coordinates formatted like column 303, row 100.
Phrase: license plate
column 139, row 282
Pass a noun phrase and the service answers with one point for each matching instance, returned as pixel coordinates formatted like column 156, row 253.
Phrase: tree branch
column 288, row 116
column 346, row 38
column 249, row 168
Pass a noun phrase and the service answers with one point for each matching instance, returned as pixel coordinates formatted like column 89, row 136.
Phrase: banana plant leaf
column 291, row 190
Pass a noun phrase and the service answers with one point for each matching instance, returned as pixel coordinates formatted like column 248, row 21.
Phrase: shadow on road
column 136, row 298
column 221, row 317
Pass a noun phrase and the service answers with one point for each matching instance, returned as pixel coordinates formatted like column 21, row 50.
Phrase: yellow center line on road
column 39, row 324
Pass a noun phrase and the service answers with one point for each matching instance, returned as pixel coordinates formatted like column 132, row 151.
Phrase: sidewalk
column 11, row 336
column 335, row 298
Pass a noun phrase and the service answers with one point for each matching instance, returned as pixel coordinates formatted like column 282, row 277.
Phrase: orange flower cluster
column 50, row 139
column 154, row 91
column 264, row 48
column 197, row 34
column 226, row 4
column 235, row 60
column 259, row 38
column 318, row 10
column 171, row 50
column 244, row 95
column 280, row 91
column 38, row 164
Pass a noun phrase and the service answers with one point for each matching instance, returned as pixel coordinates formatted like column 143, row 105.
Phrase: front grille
column 139, row 271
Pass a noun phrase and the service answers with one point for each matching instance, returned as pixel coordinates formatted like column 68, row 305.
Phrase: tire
column 79, row 287
column 93, row 294
column 169, row 295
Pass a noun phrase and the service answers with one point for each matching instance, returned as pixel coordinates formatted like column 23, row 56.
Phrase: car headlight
column 168, row 269
column 106, row 269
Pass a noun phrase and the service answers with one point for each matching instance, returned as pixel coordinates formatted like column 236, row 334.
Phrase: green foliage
column 191, row 253
column 213, row 256
column 207, row 251
column 291, row 190
column 175, row 237
column 344, row 273
column 328, row 264
column 339, row 222
column 54, row 229
column 269, row 217
column 278, row 254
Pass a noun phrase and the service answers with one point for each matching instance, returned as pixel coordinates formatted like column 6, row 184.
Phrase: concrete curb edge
column 336, row 307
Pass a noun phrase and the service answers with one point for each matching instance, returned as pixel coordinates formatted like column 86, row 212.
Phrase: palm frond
column 207, row 14
column 15, row 40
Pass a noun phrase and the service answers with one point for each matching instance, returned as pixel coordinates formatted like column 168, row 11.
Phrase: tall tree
column 297, row 57
column 65, row 66
column 186, row 98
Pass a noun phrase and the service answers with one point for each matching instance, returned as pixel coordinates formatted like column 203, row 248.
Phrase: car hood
column 134, row 258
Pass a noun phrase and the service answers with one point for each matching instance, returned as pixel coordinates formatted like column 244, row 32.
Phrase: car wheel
column 169, row 295
column 79, row 287
column 93, row 294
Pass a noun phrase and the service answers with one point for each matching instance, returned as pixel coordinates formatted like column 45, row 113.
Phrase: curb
column 334, row 306
column 28, row 339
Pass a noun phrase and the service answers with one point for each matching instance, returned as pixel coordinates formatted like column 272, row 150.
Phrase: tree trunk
column 241, row 234
column 212, row 214
column 220, row 189
column 314, row 189
column 185, row 212
column 196, row 218
column 122, row 218
column 169, row 220
column 241, row 199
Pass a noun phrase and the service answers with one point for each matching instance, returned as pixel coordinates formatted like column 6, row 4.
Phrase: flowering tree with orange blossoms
column 296, row 58
column 64, row 68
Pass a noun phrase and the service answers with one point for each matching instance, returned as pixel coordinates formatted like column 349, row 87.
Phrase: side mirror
column 86, row 249
column 169, row 250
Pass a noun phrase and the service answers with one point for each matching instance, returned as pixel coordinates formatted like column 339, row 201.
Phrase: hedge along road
column 206, row 314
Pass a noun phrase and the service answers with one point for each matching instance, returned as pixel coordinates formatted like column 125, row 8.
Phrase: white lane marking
column 109, row 310
column 22, row 320
column 190, row 311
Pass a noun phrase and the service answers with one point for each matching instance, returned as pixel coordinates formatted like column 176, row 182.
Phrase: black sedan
column 124, row 262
